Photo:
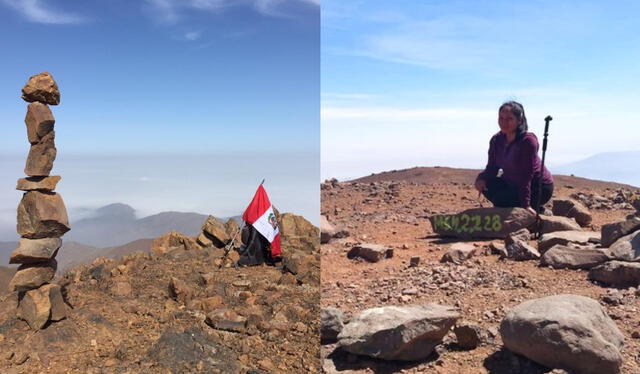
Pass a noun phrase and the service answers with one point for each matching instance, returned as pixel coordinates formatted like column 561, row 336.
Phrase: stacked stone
column 42, row 216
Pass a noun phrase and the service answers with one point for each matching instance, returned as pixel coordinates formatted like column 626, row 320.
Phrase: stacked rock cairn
column 42, row 216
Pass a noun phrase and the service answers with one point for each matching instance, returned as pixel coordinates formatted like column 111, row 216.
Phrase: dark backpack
column 255, row 249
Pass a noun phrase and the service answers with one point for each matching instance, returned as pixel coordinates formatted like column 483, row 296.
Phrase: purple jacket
column 519, row 162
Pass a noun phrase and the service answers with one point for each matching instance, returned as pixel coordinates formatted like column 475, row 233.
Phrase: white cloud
column 39, row 12
column 170, row 11
column 193, row 35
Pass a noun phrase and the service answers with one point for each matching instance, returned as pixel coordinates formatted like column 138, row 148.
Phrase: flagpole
column 261, row 183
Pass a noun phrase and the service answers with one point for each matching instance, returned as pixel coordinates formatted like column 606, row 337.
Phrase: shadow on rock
column 341, row 360
column 192, row 350
column 507, row 362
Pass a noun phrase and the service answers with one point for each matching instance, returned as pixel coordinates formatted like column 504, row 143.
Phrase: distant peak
column 117, row 209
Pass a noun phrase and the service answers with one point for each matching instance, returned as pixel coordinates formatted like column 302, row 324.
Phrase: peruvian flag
column 260, row 215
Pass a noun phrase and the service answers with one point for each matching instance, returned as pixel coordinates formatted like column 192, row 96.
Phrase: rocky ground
column 392, row 209
column 177, row 312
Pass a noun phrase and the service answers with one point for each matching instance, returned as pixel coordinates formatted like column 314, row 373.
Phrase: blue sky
column 409, row 83
column 220, row 80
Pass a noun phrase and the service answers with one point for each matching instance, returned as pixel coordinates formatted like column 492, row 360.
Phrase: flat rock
column 35, row 250
column 567, row 332
column 331, row 324
column 482, row 222
column 216, row 232
column 522, row 235
column 458, row 253
column 572, row 209
column 370, row 252
column 41, row 88
column 617, row 273
column 626, row 248
column 567, row 237
column 30, row 276
column 573, row 257
column 557, row 223
column 41, row 156
column 407, row 333
column 38, row 183
column 327, row 230
column 42, row 215
column 521, row 251
column 39, row 121
column 614, row 231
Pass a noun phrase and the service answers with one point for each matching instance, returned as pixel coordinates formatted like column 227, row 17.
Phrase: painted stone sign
column 482, row 222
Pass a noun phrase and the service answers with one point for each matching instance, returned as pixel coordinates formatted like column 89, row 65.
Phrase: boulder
column 405, row 333
column 41, row 156
column 567, row 237
column 617, row 273
column 30, row 276
column 557, row 223
column 331, row 324
column 327, row 230
column 626, row 248
column 39, row 121
column 35, row 250
column 521, row 251
column 41, row 88
column 572, row 209
column 216, row 232
column 482, row 222
column 42, row 215
column 614, row 231
column 573, row 257
column 370, row 252
column 567, row 332
column 173, row 240
column 458, row 253
column 204, row 240
column 296, row 232
column 231, row 227
column 38, row 183
column 35, row 308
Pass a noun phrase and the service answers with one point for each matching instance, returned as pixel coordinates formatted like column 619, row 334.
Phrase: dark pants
column 504, row 195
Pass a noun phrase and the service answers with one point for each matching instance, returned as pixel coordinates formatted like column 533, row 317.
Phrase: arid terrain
column 175, row 311
column 392, row 209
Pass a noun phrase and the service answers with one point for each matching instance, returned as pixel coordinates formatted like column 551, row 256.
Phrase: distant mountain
column 445, row 175
column 621, row 167
column 116, row 224
column 5, row 252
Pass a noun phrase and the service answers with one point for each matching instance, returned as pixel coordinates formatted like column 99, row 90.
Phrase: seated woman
column 514, row 169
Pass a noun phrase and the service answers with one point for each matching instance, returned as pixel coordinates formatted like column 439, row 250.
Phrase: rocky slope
column 175, row 311
column 391, row 209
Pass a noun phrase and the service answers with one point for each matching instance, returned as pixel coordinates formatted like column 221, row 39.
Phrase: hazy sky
column 169, row 104
column 418, row 83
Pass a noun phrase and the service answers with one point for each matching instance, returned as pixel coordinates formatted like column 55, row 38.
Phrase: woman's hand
column 481, row 185
column 530, row 209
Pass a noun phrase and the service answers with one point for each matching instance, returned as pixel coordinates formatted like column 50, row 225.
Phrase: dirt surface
column 123, row 318
column 388, row 210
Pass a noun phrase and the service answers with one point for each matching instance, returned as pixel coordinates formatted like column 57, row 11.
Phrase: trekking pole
column 228, row 247
column 544, row 151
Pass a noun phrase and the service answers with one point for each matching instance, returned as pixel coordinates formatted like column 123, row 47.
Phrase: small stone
column 41, row 156
column 30, row 276
column 20, row 358
column 468, row 336
column 41, row 88
column 415, row 261
column 39, row 121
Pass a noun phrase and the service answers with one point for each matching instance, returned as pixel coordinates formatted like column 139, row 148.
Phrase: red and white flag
column 260, row 215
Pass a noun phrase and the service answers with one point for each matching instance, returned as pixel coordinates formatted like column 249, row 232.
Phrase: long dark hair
column 518, row 111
